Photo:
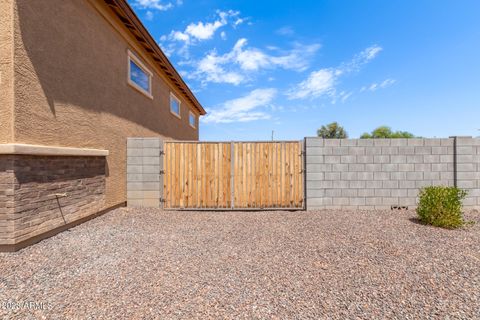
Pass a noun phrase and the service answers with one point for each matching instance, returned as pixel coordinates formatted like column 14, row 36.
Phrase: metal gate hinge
column 162, row 171
column 162, row 153
column 162, row 200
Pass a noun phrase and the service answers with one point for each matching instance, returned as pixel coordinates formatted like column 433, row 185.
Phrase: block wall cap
column 39, row 150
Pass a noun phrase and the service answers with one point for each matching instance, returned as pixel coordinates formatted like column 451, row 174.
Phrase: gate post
column 232, row 175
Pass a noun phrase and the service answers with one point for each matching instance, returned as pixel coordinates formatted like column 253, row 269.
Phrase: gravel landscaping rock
column 148, row 264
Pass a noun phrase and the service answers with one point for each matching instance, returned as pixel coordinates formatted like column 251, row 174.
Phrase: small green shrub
column 441, row 206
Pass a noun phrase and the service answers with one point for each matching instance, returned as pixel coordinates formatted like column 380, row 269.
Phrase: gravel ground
column 148, row 264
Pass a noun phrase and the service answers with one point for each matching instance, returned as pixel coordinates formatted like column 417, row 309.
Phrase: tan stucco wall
column 6, row 71
column 71, row 87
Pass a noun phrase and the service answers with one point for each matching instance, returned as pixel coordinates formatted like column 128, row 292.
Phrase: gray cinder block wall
column 144, row 178
column 381, row 173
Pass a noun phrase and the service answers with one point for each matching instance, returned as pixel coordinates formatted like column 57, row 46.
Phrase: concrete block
column 423, row 150
column 348, row 176
column 149, row 152
column 399, row 175
column 332, row 159
column 356, row 151
column 332, row 142
column 422, row 183
column 339, row 184
column 151, row 186
column 134, row 186
column 152, row 143
column 465, row 141
column 316, row 176
column 373, row 151
column 318, row 151
column 134, row 152
column 373, row 201
column 340, row 201
column 150, row 177
column 415, row 142
column 365, row 143
column 389, row 167
column 447, row 142
column 334, row 193
column 400, row 193
column 373, row 167
column 357, row 201
column 389, row 150
column 399, row 142
column 316, row 168
column 135, row 203
column 413, row 175
column 365, row 176
column 439, row 167
column 381, row 159
column 314, row 202
column 390, row 184
column 390, row 201
column 469, row 201
column 151, row 169
column 134, row 143
column 134, row 177
column 366, row 192
column 398, row 159
column 132, row 195
column 322, row 184
column 446, row 175
column 153, row 194
column 406, row 184
column 431, row 158
column 356, row 167
column 412, row 192
column 406, row 150
column 314, row 159
column 381, row 175
column 381, row 142
column 348, row 159
column 348, row 142
column 332, row 176
column 414, row 159
column 467, row 184
column 134, row 161
column 446, row 158
column 134, row 168
column 314, row 142
column 465, row 158
column 403, row 167
column 439, row 150
column 383, row 192
column 364, row 159
column 357, row 184
column 366, row 207
column 315, row 193
column 151, row 203
column 151, row 160
column 349, row 193
column 339, row 167
column 431, row 175
column 373, row 184
column 432, row 142
column 408, row 201
column 423, row 167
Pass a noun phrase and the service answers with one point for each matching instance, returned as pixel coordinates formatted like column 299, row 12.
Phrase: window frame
column 133, row 58
column 190, row 113
column 173, row 96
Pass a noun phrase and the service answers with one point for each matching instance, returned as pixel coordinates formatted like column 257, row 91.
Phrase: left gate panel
column 145, row 172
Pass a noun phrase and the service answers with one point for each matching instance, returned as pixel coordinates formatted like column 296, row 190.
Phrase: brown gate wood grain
column 236, row 175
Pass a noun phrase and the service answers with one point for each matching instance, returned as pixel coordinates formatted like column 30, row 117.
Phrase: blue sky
column 291, row 66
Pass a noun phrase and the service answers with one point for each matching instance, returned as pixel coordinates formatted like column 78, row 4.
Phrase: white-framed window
column 192, row 119
column 174, row 105
column 139, row 76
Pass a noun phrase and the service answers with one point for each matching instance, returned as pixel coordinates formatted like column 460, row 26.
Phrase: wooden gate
column 233, row 175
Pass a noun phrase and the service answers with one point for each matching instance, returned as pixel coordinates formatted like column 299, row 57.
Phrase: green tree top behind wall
column 385, row 132
column 332, row 131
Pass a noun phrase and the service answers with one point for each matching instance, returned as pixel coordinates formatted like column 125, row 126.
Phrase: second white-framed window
column 192, row 119
column 174, row 105
column 139, row 76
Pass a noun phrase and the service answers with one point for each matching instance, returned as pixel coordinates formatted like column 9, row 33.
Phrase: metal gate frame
column 232, row 178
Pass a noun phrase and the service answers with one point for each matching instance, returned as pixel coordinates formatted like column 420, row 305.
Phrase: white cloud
column 149, row 15
column 247, row 108
column 323, row 81
column 242, row 61
column 382, row 85
column 153, row 4
column 285, row 31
